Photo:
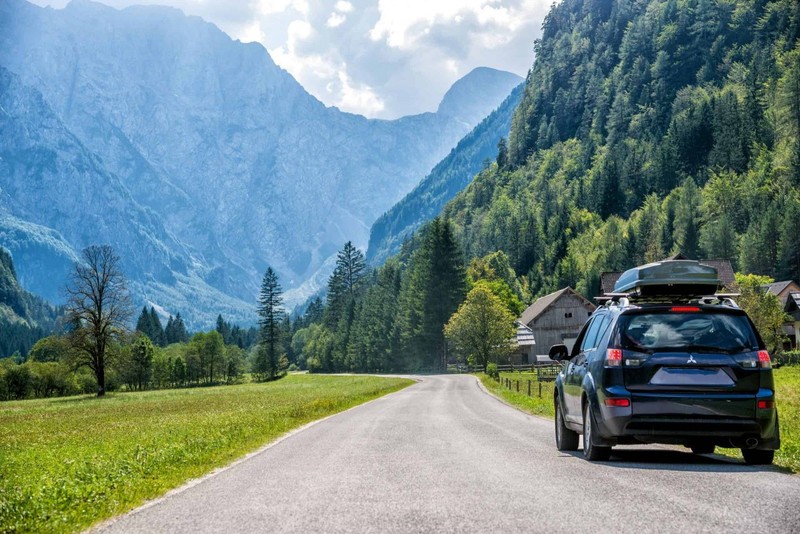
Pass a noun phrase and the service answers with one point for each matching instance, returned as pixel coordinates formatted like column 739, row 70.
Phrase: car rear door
column 690, row 361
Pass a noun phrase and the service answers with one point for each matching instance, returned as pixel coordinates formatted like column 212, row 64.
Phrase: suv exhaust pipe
column 751, row 443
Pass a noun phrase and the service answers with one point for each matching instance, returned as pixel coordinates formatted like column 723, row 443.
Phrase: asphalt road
column 445, row 456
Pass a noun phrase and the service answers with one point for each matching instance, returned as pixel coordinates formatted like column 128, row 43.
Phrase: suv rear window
column 703, row 331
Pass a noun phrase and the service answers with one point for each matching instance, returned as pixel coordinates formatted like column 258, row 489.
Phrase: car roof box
column 670, row 278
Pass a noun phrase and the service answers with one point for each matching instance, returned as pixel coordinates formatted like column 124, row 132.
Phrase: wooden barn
column 556, row 318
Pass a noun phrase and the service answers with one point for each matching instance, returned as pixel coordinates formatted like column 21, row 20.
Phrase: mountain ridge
column 242, row 167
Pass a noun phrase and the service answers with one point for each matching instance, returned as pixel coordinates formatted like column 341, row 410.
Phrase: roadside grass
column 68, row 463
column 787, row 384
column 533, row 404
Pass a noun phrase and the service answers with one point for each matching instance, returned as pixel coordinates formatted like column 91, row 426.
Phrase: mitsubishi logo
column 691, row 359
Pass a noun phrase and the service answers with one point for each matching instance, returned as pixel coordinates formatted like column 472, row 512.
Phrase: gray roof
column 776, row 288
column 724, row 271
column 524, row 335
column 542, row 304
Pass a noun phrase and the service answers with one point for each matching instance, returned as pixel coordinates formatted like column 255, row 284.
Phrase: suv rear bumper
column 671, row 419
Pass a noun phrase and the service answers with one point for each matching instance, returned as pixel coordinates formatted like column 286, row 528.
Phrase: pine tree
column 502, row 153
column 156, row 334
column 224, row 329
column 314, row 313
column 169, row 331
column 344, row 282
column 435, row 287
column 143, row 323
column 270, row 314
column 180, row 334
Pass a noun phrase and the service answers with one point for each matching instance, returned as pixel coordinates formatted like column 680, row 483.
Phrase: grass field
column 534, row 404
column 67, row 463
column 787, row 381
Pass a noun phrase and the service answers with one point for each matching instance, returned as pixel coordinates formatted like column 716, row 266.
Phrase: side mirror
column 558, row 353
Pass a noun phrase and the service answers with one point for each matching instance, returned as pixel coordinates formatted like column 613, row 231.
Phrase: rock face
column 449, row 177
column 194, row 155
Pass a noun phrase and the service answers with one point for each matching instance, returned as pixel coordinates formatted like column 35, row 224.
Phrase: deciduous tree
column 98, row 307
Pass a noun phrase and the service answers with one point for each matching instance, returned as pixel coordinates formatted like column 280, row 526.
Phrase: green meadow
column 68, row 463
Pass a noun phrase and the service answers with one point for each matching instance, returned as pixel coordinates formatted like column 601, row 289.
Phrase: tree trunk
column 100, row 374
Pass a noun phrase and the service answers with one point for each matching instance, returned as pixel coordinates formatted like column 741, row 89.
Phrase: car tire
column 566, row 439
column 758, row 456
column 593, row 453
column 703, row 449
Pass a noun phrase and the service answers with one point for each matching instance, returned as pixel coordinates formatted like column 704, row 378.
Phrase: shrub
column 791, row 357
column 491, row 370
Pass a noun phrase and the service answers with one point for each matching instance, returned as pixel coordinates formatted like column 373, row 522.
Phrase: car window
column 576, row 348
column 591, row 334
column 724, row 332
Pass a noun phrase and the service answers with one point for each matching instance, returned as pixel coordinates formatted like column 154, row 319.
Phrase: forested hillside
column 648, row 127
column 24, row 318
column 450, row 176
column 645, row 128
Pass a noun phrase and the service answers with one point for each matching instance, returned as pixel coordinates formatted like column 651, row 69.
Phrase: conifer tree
column 156, row 334
column 143, row 322
column 344, row 282
column 435, row 287
column 270, row 312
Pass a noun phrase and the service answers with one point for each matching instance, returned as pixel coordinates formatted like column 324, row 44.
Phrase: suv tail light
column 685, row 309
column 614, row 358
column 764, row 360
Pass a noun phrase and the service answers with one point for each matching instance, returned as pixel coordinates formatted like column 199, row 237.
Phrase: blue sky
column 379, row 58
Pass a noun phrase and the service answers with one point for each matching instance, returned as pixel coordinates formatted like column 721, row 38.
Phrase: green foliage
column 764, row 308
column 430, row 293
column 491, row 370
column 482, row 328
column 644, row 131
column 60, row 474
column 137, row 363
column 269, row 351
column 175, row 331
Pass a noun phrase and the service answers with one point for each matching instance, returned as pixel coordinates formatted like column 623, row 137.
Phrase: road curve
column 445, row 456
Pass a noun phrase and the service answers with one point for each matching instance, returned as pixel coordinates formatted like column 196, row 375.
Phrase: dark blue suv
column 659, row 364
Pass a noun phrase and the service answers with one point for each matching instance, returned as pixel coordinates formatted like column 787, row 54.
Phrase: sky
column 378, row 58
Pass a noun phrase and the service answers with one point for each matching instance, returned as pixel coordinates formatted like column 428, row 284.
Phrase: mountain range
column 198, row 158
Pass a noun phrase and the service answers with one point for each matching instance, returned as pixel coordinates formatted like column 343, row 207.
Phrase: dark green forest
column 647, row 128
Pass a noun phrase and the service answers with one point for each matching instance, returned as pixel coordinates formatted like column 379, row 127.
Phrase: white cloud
column 269, row 7
column 358, row 96
column 342, row 6
column 335, row 20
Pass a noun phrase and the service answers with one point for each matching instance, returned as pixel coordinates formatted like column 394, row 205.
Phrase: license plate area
column 692, row 377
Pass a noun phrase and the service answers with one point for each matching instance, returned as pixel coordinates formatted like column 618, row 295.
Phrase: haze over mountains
column 195, row 156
